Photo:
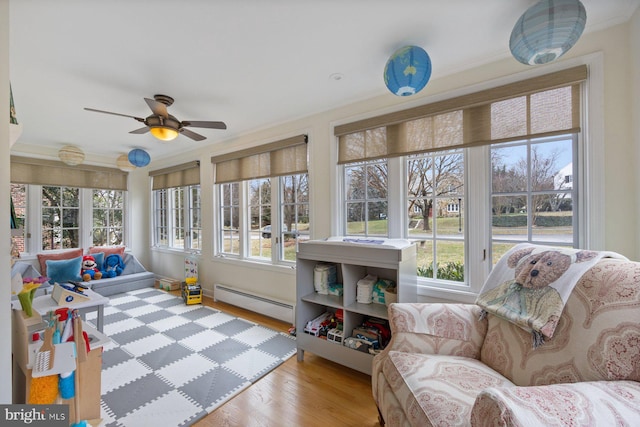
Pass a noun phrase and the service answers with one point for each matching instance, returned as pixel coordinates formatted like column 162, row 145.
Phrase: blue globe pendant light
column 547, row 30
column 139, row 158
column 407, row 71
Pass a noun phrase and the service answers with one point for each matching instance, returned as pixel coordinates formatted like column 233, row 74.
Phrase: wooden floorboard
column 314, row 392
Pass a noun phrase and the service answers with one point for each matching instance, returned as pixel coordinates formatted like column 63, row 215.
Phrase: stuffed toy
column 113, row 266
column 89, row 270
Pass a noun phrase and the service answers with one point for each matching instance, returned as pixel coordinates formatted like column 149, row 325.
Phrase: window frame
column 245, row 232
column 588, row 173
column 174, row 217
column 32, row 230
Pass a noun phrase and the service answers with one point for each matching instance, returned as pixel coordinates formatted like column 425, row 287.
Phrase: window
column 435, row 185
column 528, row 201
column 177, row 214
column 108, row 211
column 366, row 205
column 259, row 208
column 262, row 194
column 60, row 217
column 229, row 218
column 294, row 203
column 19, row 206
column 482, row 172
column 262, row 234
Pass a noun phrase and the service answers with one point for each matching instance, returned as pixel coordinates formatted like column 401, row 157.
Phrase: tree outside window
column 60, row 217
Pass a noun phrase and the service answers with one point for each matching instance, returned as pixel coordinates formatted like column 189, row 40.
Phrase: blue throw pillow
column 99, row 257
column 63, row 270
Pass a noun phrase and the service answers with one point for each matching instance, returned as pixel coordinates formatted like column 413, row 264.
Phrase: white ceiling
column 251, row 63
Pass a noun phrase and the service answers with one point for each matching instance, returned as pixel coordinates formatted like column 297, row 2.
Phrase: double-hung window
column 262, row 196
column 177, row 212
column 66, row 207
column 481, row 172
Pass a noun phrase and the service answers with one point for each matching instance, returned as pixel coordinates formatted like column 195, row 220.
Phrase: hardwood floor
column 315, row 392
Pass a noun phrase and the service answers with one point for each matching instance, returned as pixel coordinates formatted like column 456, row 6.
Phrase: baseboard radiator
column 260, row 304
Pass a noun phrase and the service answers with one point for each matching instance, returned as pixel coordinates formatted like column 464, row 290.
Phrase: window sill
column 446, row 295
column 252, row 263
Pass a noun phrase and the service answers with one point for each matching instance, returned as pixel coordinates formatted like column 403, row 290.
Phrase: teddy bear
column 529, row 294
column 113, row 266
column 90, row 270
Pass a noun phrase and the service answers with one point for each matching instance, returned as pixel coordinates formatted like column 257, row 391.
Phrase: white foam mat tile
column 202, row 340
column 255, row 335
column 159, row 298
column 147, row 344
column 121, row 326
column 251, row 363
column 186, row 370
column 123, row 299
column 139, row 291
column 172, row 409
column 122, row 374
column 142, row 310
column 183, row 308
column 214, row 320
column 110, row 309
column 169, row 323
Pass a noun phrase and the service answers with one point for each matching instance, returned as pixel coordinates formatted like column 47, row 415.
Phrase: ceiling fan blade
column 141, row 130
column 158, row 108
column 192, row 135
column 115, row 114
column 209, row 125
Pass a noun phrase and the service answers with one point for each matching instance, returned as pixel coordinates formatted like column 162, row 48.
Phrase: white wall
column 621, row 195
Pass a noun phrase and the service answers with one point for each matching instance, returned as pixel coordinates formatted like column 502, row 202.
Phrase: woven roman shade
column 25, row 170
column 176, row 176
column 542, row 106
column 283, row 157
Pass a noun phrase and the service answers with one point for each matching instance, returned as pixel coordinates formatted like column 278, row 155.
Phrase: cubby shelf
column 392, row 259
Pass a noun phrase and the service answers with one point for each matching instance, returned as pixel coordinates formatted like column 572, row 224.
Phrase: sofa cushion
column 66, row 254
column 438, row 389
column 99, row 257
column 64, row 270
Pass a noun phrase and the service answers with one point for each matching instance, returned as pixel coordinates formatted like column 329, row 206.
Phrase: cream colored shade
column 124, row 164
column 71, row 155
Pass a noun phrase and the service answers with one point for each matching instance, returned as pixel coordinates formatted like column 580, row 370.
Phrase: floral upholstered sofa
column 449, row 366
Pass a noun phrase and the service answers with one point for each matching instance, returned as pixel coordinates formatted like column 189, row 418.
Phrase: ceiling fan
column 163, row 125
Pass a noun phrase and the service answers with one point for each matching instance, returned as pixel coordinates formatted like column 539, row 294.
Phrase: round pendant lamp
column 124, row 164
column 71, row 155
column 407, row 71
column 139, row 158
column 547, row 30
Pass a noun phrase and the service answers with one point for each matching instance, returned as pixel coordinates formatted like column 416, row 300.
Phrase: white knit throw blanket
column 530, row 285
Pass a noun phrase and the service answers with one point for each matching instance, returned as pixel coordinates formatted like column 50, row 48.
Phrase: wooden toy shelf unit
column 354, row 259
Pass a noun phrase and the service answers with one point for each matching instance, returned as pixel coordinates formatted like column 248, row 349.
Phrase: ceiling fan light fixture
column 164, row 133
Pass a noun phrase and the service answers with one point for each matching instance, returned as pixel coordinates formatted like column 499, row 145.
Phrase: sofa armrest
column 437, row 328
column 584, row 403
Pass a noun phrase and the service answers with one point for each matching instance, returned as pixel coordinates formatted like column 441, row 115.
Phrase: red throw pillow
column 56, row 256
column 108, row 250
